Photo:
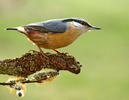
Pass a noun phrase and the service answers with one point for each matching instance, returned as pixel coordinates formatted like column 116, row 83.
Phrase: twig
column 24, row 82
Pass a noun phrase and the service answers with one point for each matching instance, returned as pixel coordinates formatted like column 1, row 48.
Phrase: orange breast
column 55, row 40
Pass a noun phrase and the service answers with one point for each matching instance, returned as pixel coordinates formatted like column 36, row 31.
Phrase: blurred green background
column 104, row 54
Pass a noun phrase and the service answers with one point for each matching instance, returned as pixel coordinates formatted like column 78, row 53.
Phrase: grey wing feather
column 37, row 28
column 54, row 26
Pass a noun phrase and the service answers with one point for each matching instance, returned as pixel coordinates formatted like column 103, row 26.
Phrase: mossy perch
column 43, row 69
column 30, row 63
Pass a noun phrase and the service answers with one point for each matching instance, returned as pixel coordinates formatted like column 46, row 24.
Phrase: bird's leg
column 56, row 51
column 59, row 52
column 41, row 51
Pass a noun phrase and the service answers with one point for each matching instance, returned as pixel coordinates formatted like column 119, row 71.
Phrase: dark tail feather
column 11, row 28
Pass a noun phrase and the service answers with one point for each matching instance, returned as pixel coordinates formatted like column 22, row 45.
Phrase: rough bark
column 30, row 63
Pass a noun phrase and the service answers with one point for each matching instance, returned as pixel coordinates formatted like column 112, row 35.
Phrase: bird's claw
column 36, row 52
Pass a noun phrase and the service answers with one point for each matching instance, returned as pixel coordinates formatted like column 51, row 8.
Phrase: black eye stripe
column 67, row 20
column 77, row 20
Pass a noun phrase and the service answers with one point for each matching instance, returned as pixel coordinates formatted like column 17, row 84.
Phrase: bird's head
column 82, row 24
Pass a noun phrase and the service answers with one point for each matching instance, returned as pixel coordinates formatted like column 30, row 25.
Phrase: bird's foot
column 36, row 52
column 61, row 53
column 43, row 54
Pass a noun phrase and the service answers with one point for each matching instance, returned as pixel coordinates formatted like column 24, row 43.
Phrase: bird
column 55, row 33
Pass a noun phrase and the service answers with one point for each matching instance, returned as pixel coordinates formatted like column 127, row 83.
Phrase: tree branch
column 41, row 68
column 30, row 63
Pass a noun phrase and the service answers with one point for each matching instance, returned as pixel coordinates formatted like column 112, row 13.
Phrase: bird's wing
column 50, row 26
column 37, row 28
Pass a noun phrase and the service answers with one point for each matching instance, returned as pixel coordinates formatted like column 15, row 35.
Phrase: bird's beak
column 20, row 29
column 96, row 28
column 11, row 29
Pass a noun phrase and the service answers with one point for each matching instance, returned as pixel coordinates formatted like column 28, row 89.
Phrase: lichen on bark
column 30, row 63
column 41, row 68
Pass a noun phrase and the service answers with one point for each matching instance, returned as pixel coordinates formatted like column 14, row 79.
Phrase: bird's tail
column 11, row 29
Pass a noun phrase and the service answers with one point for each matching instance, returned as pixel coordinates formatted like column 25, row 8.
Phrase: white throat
column 22, row 29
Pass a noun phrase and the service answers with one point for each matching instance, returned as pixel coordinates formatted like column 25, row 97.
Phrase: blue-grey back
column 55, row 26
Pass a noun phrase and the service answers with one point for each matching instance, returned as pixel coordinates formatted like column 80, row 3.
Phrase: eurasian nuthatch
column 56, row 33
